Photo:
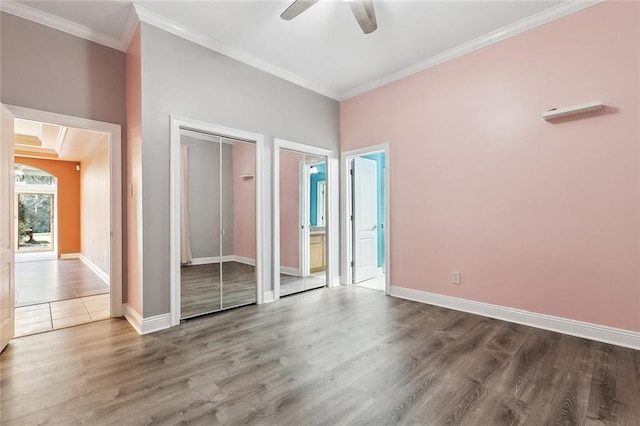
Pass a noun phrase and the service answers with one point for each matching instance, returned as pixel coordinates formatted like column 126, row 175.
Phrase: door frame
column 177, row 123
column 346, row 208
column 115, row 175
column 279, row 144
column 7, row 295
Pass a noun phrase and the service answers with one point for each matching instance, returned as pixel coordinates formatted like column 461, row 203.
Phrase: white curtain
column 185, row 234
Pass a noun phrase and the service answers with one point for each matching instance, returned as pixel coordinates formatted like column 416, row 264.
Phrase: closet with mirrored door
column 303, row 242
column 217, row 223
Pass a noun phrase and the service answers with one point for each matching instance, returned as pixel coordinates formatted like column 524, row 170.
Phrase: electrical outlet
column 455, row 277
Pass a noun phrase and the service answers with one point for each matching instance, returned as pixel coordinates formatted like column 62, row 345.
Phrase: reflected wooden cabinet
column 317, row 256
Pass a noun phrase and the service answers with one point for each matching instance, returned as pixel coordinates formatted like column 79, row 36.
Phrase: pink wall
column 134, row 176
column 537, row 216
column 290, row 209
column 244, row 204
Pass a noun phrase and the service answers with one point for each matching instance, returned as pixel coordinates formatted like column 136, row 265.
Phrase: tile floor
column 65, row 313
column 45, row 281
column 376, row 283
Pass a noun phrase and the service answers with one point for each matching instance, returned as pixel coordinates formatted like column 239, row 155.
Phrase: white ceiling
column 323, row 48
column 57, row 142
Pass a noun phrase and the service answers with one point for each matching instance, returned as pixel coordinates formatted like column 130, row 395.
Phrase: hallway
column 54, row 280
column 53, row 294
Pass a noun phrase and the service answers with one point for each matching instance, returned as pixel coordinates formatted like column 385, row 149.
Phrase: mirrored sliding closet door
column 303, row 225
column 217, row 223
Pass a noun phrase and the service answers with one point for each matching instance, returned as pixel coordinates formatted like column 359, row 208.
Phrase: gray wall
column 204, row 197
column 46, row 69
column 182, row 78
column 49, row 70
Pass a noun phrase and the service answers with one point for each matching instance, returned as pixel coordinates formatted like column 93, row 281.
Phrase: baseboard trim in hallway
column 146, row 325
column 600, row 333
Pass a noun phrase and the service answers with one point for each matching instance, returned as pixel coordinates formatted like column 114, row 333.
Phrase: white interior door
column 6, row 229
column 365, row 219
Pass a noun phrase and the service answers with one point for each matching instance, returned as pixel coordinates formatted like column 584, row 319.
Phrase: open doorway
column 366, row 212
column 62, row 226
column 35, row 205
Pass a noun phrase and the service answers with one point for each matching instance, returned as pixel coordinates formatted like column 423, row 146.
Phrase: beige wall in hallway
column 95, row 206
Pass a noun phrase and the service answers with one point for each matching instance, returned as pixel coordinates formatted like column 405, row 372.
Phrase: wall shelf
column 246, row 176
column 572, row 110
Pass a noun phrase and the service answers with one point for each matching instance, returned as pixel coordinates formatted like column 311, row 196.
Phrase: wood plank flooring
column 200, row 289
column 334, row 356
column 53, row 280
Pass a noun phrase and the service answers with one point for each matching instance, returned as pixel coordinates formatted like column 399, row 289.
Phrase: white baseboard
column 288, row 270
column 208, row 260
column 245, row 260
column 70, row 256
column 336, row 281
column 601, row 333
column 217, row 259
column 133, row 317
column 96, row 270
column 269, row 296
column 146, row 325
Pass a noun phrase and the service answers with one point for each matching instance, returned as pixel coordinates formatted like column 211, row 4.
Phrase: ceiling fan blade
column 296, row 8
column 365, row 15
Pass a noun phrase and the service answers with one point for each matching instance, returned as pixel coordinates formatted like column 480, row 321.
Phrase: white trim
column 146, row 325
column 115, row 172
column 133, row 317
column 129, row 30
column 174, row 210
column 139, row 13
column 279, row 144
column 95, row 268
column 162, row 22
column 242, row 259
column 345, row 225
column 209, row 260
column 218, row 259
column 269, row 296
column 288, row 270
column 600, row 333
column 526, row 24
column 70, row 256
column 337, row 281
column 27, row 12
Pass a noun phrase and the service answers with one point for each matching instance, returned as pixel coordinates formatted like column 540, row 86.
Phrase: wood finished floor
column 200, row 287
column 330, row 356
column 54, row 280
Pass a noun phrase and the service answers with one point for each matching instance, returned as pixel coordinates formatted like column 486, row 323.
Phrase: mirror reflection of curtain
column 185, row 234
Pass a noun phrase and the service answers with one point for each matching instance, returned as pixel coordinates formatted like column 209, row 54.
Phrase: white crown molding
column 600, row 333
column 129, row 29
column 159, row 21
column 511, row 30
column 27, row 12
column 139, row 13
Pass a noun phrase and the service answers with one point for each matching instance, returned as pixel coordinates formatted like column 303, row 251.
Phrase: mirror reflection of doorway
column 303, row 230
